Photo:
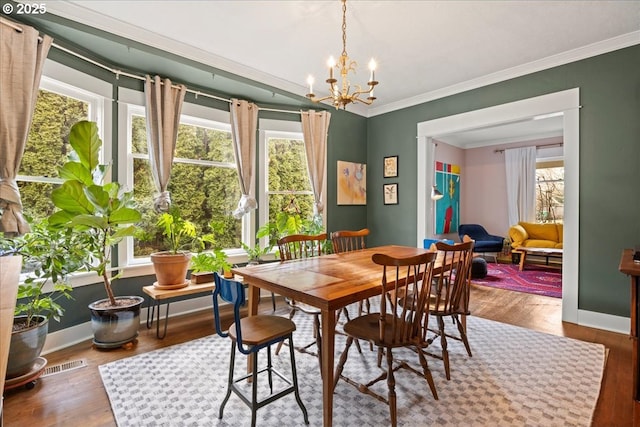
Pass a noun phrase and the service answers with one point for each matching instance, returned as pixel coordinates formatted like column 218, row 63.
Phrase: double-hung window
column 284, row 178
column 203, row 184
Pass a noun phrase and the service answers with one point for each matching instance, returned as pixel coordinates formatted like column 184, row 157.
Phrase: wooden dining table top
column 328, row 282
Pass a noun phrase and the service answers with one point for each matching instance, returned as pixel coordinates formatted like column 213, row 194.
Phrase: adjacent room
column 319, row 213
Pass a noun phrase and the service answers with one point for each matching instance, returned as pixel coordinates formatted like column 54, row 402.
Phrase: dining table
column 328, row 282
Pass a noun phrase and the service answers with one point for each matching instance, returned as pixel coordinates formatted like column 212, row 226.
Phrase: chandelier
column 340, row 93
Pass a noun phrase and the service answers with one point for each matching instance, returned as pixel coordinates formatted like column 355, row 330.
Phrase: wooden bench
column 163, row 296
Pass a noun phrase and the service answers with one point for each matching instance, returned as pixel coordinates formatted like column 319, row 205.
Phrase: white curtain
column 22, row 57
column 315, row 127
column 163, row 107
column 520, row 166
column 244, row 124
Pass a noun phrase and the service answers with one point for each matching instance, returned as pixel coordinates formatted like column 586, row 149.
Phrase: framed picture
column 391, row 167
column 390, row 194
column 352, row 183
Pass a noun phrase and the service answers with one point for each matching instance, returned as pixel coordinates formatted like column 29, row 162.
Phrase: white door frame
column 567, row 102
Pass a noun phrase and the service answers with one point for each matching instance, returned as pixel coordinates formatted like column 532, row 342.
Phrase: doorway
column 566, row 102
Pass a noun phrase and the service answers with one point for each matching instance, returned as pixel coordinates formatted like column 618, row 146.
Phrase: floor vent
column 67, row 366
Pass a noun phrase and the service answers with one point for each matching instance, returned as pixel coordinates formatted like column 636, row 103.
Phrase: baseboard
column 607, row 322
column 61, row 339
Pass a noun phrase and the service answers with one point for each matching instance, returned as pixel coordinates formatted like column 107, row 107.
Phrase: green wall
column 609, row 200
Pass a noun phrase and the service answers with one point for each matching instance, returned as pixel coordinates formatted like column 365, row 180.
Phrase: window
column 284, row 177
column 288, row 185
column 550, row 191
column 204, row 181
column 58, row 107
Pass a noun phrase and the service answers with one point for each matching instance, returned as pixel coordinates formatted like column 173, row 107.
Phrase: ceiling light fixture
column 340, row 94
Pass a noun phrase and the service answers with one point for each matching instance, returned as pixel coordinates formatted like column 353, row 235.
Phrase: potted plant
column 256, row 253
column 171, row 265
column 204, row 263
column 106, row 214
column 50, row 255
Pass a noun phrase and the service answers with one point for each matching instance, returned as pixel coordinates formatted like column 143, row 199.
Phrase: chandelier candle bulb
column 310, row 81
column 372, row 67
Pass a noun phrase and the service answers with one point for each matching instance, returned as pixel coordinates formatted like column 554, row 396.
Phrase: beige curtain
column 244, row 123
column 22, row 57
column 315, row 127
column 163, row 107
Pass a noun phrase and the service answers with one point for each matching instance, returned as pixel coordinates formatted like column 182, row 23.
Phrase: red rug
column 540, row 280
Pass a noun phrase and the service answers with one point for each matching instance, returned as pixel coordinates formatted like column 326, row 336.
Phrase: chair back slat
column 348, row 241
column 405, row 319
column 296, row 246
column 452, row 285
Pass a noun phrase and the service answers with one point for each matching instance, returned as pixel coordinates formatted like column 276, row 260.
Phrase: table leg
column 328, row 347
column 523, row 256
column 254, row 300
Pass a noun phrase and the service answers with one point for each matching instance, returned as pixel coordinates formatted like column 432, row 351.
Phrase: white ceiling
column 424, row 49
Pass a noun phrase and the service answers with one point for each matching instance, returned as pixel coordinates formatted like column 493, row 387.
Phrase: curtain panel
column 315, row 128
column 520, row 166
column 22, row 56
column 244, row 124
column 163, row 107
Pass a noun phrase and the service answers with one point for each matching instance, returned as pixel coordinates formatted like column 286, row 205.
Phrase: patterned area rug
column 516, row 377
column 535, row 279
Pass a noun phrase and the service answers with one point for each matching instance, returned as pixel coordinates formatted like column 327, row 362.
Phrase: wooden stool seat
column 258, row 330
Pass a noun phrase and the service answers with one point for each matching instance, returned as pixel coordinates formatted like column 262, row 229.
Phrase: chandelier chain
column 344, row 27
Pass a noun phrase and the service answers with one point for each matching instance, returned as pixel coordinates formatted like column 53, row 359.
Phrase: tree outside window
column 549, row 193
column 47, row 149
column 204, row 183
column 288, row 184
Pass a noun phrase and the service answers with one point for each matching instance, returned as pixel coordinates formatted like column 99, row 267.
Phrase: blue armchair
column 484, row 242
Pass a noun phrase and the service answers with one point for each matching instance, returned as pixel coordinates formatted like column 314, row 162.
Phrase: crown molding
column 594, row 49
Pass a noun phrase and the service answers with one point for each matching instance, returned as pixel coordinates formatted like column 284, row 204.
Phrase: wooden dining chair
column 297, row 246
column 450, row 296
column 398, row 324
column 348, row 240
column 344, row 241
column 249, row 335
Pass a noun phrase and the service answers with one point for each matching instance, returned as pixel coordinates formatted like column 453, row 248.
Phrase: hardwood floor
column 77, row 397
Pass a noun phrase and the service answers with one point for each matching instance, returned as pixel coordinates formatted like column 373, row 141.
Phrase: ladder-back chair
column 401, row 322
column 450, row 295
column 297, row 246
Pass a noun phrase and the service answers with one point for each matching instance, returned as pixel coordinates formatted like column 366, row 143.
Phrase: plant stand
column 29, row 379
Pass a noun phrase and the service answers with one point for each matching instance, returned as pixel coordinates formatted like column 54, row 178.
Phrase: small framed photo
column 391, row 167
column 390, row 194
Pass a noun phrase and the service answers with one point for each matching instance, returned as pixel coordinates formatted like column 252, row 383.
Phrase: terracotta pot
column 26, row 346
column 114, row 326
column 171, row 269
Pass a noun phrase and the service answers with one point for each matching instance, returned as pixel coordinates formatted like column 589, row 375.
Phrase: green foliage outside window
column 206, row 194
column 47, row 148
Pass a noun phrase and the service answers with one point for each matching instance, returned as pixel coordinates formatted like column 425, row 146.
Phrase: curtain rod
column 15, row 27
column 119, row 73
column 555, row 144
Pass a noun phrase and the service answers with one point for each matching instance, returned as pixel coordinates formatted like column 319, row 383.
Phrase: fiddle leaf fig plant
column 103, row 211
